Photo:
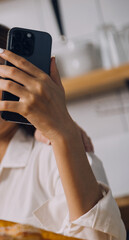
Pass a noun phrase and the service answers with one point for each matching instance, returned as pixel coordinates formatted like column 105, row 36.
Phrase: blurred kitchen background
column 91, row 44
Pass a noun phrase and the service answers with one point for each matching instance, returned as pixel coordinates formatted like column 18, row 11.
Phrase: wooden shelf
column 96, row 81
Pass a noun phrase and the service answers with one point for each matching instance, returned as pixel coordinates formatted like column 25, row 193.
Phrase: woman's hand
column 38, row 96
column 41, row 97
column 86, row 140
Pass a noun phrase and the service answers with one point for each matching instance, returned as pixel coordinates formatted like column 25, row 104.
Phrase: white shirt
column 31, row 192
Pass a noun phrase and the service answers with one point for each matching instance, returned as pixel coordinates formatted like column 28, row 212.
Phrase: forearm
column 80, row 186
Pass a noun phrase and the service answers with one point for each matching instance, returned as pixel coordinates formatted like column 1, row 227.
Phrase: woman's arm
column 42, row 102
column 68, row 145
column 81, row 188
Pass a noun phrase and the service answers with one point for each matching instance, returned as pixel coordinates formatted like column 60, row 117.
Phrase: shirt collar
column 18, row 150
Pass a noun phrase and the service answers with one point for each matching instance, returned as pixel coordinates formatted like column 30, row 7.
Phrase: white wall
column 105, row 118
column 22, row 13
column 80, row 17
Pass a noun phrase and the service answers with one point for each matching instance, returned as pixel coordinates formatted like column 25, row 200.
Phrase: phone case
column 39, row 54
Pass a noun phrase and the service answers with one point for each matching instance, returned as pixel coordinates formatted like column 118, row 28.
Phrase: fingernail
column 54, row 56
column 1, row 50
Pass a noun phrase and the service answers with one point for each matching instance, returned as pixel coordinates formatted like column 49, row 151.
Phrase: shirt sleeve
column 102, row 222
column 97, row 168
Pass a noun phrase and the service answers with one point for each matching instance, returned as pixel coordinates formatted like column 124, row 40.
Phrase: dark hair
column 3, row 39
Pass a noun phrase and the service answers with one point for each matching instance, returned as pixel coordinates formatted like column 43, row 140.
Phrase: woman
column 51, row 187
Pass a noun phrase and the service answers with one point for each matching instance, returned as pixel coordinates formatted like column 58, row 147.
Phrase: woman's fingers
column 11, row 106
column 21, row 63
column 39, row 137
column 29, row 72
column 87, row 141
column 16, row 75
column 14, row 88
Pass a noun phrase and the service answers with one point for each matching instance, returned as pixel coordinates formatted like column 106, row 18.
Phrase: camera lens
column 17, row 34
column 26, row 44
column 17, row 48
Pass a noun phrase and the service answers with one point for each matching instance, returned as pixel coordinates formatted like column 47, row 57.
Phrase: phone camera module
column 23, row 43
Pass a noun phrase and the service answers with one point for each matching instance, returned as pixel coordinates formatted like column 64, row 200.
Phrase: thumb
column 54, row 74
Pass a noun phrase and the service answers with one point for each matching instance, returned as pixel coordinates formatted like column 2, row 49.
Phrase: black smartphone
column 35, row 46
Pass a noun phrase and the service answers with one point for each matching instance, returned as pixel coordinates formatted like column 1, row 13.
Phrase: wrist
column 66, row 132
